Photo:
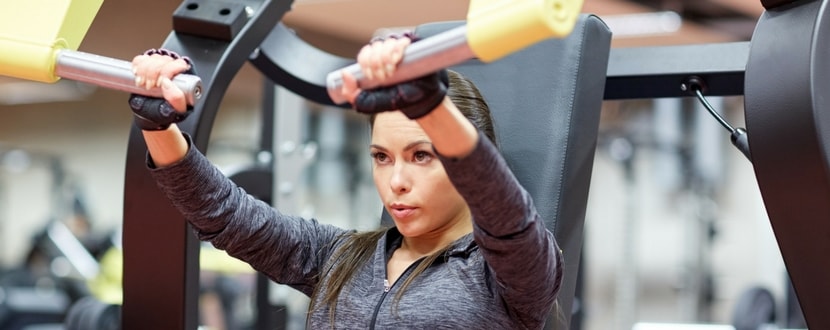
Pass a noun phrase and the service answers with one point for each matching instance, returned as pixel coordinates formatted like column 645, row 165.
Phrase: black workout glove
column 415, row 98
column 156, row 114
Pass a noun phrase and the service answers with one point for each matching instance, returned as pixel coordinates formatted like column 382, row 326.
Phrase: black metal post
column 161, row 282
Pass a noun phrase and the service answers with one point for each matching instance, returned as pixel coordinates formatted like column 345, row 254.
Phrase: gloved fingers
column 156, row 68
column 158, row 62
column 378, row 64
column 138, row 59
column 371, row 60
column 391, row 53
column 148, row 69
column 349, row 89
column 173, row 94
column 139, row 67
column 398, row 46
column 364, row 59
column 379, row 59
column 171, row 69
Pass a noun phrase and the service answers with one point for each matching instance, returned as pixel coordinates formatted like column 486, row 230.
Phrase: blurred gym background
column 676, row 231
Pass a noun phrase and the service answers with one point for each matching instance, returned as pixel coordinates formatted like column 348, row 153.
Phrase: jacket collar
column 462, row 247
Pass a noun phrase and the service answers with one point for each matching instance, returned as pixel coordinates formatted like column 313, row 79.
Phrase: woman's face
column 410, row 179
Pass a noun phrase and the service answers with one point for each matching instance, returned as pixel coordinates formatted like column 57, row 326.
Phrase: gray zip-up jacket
column 504, row 275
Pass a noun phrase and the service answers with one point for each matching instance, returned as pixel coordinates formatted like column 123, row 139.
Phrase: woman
column 468, row 249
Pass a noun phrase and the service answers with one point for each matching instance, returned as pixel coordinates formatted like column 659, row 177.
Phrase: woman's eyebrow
column 409, row 146
column 415, row 144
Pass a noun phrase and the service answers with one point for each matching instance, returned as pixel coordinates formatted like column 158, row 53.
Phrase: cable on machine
column 738, row 136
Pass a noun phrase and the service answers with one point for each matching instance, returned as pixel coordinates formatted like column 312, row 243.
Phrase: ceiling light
column 643, row 24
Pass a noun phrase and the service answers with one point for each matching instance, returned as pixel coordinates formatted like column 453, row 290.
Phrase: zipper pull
column 386, row 285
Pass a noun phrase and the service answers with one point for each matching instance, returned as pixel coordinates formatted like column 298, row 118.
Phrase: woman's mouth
column 401, row 212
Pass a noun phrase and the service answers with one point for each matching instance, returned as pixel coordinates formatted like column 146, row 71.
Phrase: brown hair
column 358, row 248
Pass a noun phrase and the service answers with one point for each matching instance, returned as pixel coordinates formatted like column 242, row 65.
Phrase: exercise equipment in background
column 46, row 49
column 493, row 29
column 637, row 72
column 62, row 257
column 251, row 33
column 784, row 110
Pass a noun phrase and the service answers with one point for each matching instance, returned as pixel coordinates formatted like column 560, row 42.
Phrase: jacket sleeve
column 286, row 248
column 513, row 239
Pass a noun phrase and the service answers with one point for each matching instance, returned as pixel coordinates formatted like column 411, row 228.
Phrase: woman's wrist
column 166, row 147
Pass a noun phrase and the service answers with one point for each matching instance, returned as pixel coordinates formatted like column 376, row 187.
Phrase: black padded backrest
column 546, row 101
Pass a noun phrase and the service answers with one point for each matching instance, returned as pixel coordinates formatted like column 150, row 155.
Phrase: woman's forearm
column 166, row 147
column 452, row 134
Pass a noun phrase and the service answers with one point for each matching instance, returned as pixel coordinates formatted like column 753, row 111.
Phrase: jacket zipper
column 387, row 288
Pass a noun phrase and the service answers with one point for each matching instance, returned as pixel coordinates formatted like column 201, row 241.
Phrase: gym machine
column 714, row 70
column 274, row 50
column 61, row 258
column 780, row 73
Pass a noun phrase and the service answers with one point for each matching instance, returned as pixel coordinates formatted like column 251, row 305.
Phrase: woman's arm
column 288, row 249
column 451, row 133
column 166, row 147
column 521, row 253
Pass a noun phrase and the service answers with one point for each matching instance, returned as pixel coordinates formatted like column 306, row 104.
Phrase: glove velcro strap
column 415, row 98
column 155, row 114
column 430, row 101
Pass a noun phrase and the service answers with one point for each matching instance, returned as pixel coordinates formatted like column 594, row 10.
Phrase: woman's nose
column 400, row 181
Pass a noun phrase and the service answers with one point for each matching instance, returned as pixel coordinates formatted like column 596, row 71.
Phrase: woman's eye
column 422, row 156
column 379, row 157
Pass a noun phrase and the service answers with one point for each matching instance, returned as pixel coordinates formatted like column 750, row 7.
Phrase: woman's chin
column 408, row 229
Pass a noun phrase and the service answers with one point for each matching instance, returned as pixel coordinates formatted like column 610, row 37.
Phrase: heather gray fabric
column 546, row 101
column 505, row 275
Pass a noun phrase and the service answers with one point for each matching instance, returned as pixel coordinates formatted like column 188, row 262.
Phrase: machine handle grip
column 420, row 58
column 494, row 29
column 117, row 74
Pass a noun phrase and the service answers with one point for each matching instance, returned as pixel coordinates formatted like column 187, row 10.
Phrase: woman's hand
column 155, row 117
column 156, row 68
column 378, row 61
